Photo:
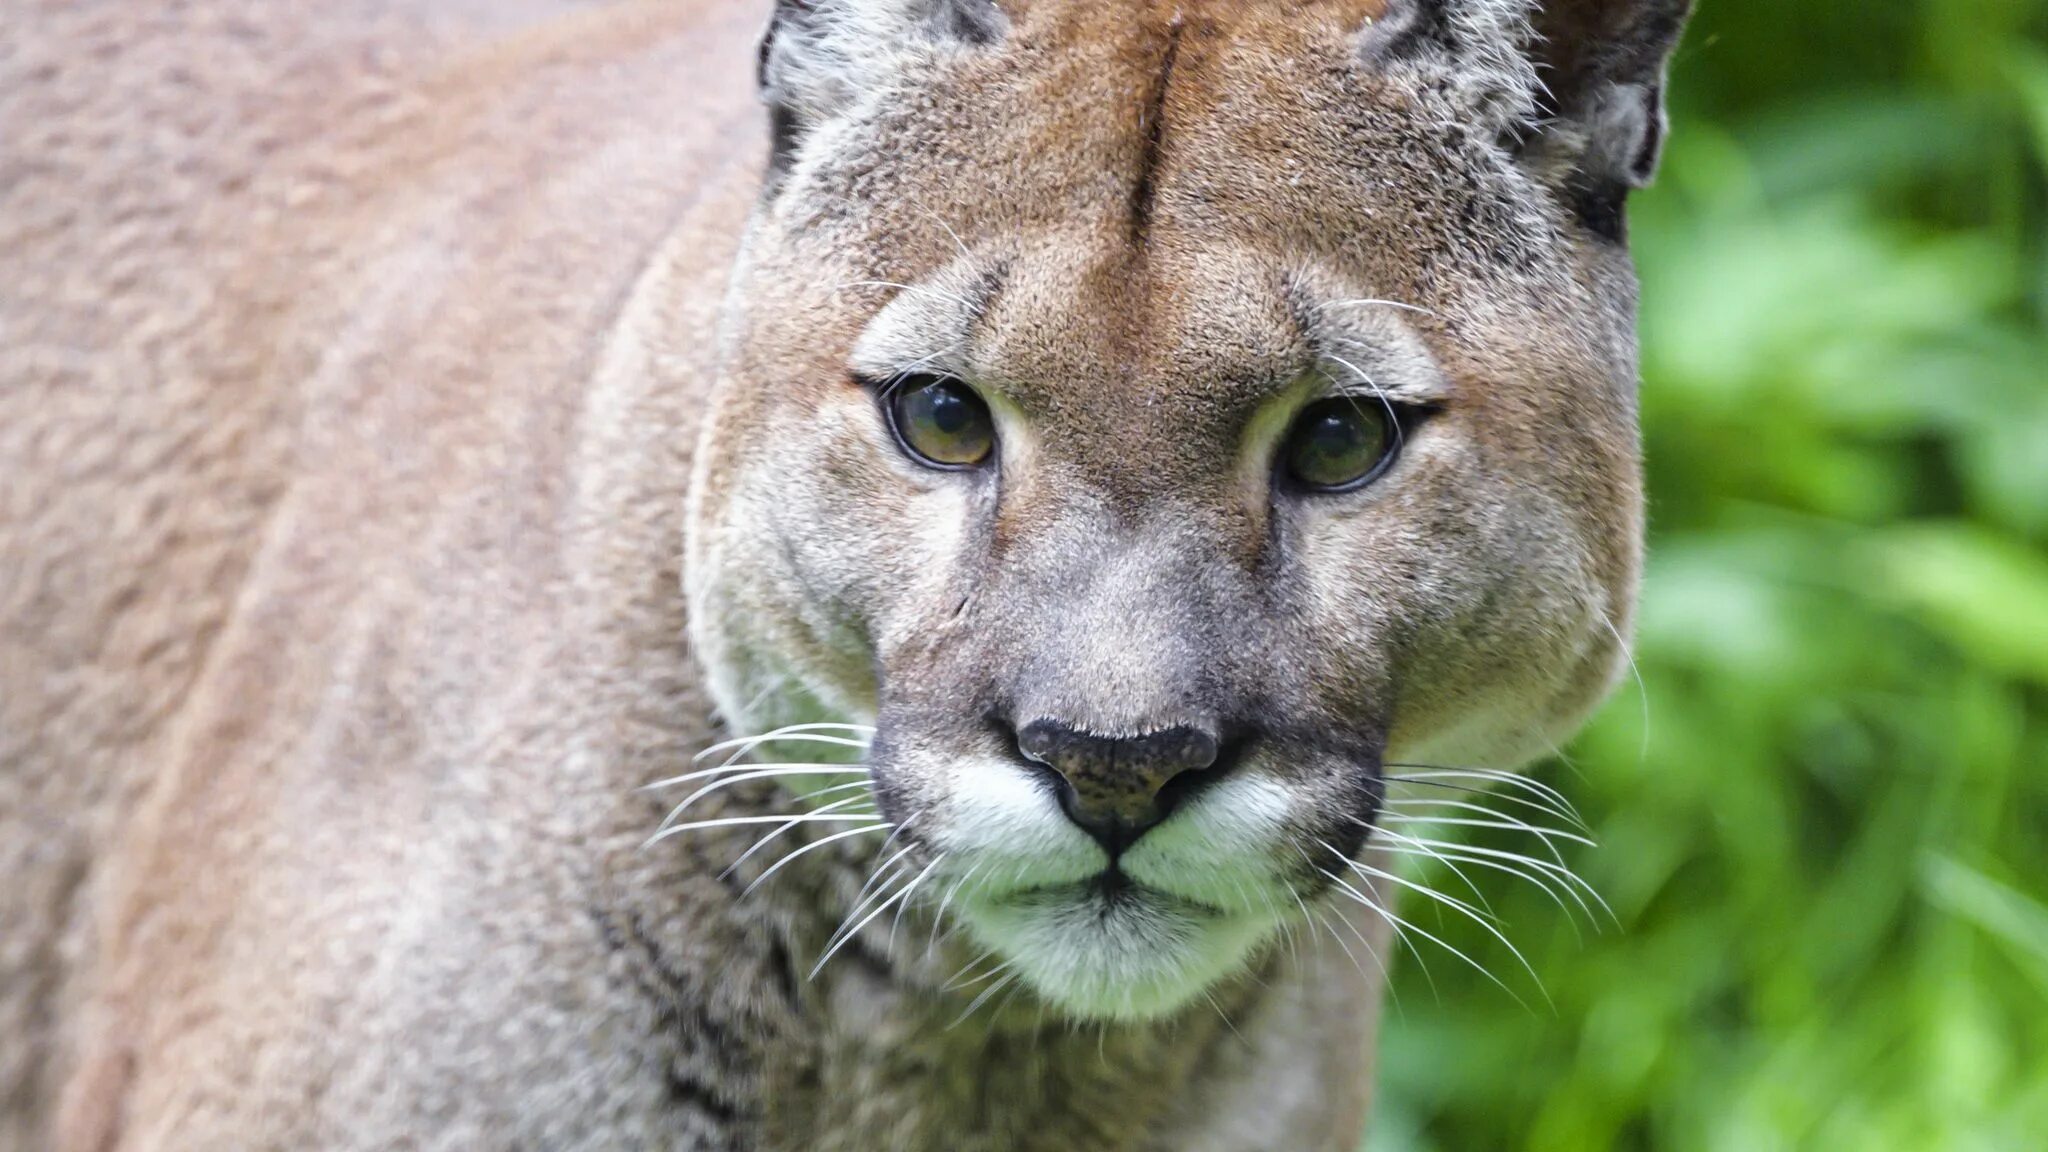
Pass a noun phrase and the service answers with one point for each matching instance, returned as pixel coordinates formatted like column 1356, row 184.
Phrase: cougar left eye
column 1339, row 443
column 941, row 422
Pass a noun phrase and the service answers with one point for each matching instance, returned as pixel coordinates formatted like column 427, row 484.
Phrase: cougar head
column 1154, row 418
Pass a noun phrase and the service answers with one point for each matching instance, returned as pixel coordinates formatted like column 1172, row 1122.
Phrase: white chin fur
column 1140, row 955
column 1205, row 897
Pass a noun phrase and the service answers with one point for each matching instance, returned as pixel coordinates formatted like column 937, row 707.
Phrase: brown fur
column 353, row 365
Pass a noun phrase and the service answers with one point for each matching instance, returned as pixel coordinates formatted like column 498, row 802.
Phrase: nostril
column 1196, row 750
column 1036, row 741
column 1204, row 769
column 1034, row 747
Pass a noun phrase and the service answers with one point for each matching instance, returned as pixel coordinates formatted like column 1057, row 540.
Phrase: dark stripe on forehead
column 1152, row 120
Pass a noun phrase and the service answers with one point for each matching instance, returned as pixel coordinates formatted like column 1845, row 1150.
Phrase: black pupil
column 943, row 423
column 1335, row 437
column 1337, row 443
column 949, row 411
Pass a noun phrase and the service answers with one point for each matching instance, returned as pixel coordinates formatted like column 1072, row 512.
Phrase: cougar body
column 426, row 427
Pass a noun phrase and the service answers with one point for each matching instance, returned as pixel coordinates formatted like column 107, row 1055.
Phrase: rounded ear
column 1574, row 87
column 816, row 56
column 1600, row 100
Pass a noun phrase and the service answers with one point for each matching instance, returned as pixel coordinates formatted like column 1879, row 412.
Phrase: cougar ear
column 817, row 56
column 1600, row 100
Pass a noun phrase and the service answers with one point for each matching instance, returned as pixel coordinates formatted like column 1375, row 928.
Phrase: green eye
column 1339, row 443
column 941, row 422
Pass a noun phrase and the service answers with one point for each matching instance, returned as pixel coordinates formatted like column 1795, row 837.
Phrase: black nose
column 1118, row 787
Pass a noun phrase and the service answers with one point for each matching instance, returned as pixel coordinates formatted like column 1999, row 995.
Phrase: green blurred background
column 1828, row 853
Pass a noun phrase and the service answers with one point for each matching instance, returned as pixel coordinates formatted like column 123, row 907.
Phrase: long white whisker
column 1385, row 976
column 1512, row 825
column 737, row 778
column 1410, row 803
column 731, row 821
column 796, row 769
column 991, row 990
column 772, row 869
column 1457, row 871
column 860, row 897
column 1642, row 689
column 946, row 901
column 1376, row 391
column 961, row 980
column 1468, row 909
column 896, row 921
column 1399, row 925
column 963, row 301
column 1426, row 935
column 1469, row 912
column 836, row 805
column 752, row 742
column 1572, row 880
column 1328, row 304
column 1518, row 801
column 1512, row 779
column 902, row 892
column 1546, row 884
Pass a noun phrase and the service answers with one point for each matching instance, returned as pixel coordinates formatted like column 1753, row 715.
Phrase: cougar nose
column 1116, row 788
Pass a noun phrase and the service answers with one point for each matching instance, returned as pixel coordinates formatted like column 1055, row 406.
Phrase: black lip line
column 1111, row 884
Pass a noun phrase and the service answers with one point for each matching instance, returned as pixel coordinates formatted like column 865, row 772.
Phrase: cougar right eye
column 940, row 422
column 1340, row 444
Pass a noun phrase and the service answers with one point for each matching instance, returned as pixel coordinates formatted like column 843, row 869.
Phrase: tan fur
column 353, row 364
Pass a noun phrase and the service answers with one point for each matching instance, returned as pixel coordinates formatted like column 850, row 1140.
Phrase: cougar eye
column 941, row 422
column 1339, row 443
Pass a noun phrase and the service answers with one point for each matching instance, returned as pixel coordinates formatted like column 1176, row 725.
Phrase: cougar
column 545, row 606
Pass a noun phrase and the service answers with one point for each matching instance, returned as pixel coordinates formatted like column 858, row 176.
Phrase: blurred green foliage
column 1828, row 851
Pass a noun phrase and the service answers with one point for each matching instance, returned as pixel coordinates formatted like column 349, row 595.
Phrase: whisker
column 1362, row 302
column 1469, row 790
column 1540, row 881
column 896, row 921
column 1385, row 403
column 1222, row 1015
column 813, row 845
column 957, row 243
column 1470, row 913
column 939, row 918
column 1386, row 977
column 1642, row 689
column 1355, row 963
column 731, row 821
column 1404, row 882
column 1512, row 779
column 901, row 893
column 1399, row 926
column 1542, row 833
column 963, row 301
column 886, row 867
column 860, row 897
column 764, row 841
column 1407, row 803
column 991, row 990
column 739, row 778
column 959, row 980
column 1427, row 935
column 795, row 769
column 1570, row 880
column 779, row 736
column 1457, row 871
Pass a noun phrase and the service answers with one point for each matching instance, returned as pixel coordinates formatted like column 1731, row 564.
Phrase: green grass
column 1828, row 853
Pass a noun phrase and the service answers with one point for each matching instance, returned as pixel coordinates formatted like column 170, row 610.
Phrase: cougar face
column 1154, row 470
